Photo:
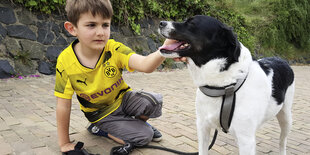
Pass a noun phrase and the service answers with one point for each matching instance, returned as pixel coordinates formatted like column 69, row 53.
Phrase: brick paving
column 28, row 124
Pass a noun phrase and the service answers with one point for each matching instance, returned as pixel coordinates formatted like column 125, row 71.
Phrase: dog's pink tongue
column 171, row 47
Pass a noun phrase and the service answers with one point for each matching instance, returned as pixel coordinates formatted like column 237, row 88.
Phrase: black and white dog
column 217, row 61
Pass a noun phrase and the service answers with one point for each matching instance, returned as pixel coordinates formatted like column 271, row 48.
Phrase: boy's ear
column 70, row 28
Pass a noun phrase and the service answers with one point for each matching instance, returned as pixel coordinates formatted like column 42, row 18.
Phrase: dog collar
column 228, row 104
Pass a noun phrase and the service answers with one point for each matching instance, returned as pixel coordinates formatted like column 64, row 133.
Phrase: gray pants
column 122, row 123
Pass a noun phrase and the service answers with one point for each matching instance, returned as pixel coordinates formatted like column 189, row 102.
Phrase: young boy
column 92, row 68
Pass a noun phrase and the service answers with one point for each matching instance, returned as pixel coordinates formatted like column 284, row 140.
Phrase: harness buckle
column 230, row 90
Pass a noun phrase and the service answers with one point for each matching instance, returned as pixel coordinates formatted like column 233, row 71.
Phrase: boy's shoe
column 157, row 135
column 123, row 150
column 78, row 150
column 96, row 131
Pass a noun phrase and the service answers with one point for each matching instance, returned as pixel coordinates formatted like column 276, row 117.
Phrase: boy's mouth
column 99, row 41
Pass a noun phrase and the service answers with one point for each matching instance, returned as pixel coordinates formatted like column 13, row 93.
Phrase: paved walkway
column 28, row 124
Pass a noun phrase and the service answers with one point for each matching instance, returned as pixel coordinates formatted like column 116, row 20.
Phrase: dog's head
column 202, row 38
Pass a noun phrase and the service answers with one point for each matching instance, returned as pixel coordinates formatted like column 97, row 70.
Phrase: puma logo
column 79, row 81
column 60, row 72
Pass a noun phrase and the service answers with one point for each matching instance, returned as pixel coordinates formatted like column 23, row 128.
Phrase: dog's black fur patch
column 283, row 76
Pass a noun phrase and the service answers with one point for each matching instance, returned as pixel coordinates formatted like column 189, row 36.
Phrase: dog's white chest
column 208, row 109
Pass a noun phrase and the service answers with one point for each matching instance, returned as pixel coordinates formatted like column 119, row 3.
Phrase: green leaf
column 32, row 3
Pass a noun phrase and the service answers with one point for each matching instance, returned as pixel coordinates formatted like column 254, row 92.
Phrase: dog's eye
column 189, row 19
column 191, row 23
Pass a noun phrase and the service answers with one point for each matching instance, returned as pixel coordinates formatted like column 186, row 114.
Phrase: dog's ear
column 231, row 42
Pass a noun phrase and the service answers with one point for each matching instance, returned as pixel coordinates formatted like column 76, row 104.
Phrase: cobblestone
column 28, row 119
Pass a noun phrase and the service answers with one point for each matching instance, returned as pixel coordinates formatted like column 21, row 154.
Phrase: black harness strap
column 227, row 109
column 228, row 105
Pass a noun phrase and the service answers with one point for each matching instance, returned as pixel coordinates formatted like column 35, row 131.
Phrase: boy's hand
column 67, row 147
column 182, row 59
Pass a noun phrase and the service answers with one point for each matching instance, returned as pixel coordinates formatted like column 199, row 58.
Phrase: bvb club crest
column 110, row 71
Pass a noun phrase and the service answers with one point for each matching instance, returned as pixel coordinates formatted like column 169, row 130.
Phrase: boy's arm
column 148, row 63
column 63, row 110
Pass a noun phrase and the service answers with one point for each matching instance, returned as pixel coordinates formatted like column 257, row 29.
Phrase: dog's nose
column 162, row 24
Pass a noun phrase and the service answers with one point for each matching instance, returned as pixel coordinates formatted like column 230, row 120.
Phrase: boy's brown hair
column 75, row 8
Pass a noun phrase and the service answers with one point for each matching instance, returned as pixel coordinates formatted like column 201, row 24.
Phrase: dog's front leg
column 203, row 133
column 245, row 137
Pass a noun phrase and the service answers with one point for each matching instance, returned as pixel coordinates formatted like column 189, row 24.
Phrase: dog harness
column 228, row 103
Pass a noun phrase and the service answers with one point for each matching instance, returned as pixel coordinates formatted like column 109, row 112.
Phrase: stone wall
column 30, row 41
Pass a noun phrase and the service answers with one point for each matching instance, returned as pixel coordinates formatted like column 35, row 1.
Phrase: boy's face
column 93, row 32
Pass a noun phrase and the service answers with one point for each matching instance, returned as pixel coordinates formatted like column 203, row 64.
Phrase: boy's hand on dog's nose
column 171, row 41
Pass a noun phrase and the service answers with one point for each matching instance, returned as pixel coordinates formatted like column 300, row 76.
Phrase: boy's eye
column 106, row 25
column 90, row 25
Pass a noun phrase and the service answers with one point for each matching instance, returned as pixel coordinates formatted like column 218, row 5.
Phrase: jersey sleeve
column 63, row 88
column 123, row 54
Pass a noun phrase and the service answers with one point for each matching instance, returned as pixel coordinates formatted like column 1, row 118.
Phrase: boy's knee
column 145, row 138
column 152, row 110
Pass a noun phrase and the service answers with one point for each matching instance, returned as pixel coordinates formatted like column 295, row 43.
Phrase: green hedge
column 131, row 11
column 290, row 29
column 45, row 6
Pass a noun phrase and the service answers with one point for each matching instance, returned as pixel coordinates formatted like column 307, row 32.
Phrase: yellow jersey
column 99, row 90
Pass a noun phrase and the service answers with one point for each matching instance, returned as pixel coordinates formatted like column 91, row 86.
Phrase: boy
column 91, row 67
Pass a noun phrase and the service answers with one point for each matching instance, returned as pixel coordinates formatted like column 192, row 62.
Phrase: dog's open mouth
column 177, row 46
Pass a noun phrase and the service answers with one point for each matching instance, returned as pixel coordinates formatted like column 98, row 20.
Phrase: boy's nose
column 100, row 31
